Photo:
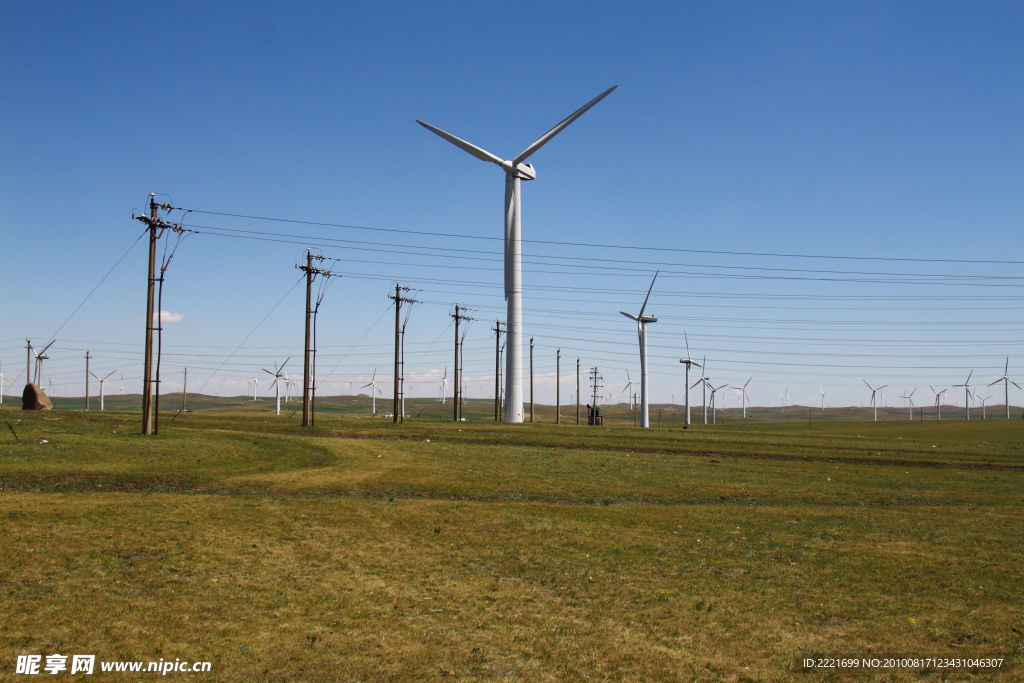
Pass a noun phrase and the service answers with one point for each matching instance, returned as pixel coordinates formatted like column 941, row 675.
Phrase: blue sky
column 839, row 129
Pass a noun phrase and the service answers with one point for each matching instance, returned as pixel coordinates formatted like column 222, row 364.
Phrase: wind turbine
column 373, row 390
column 1006, row 385
column 278, row 376
column 444, row 386
column 822, row 398
column 641, row 330
column 783, row 397
column 122, row 384
column 982, row 399
column 967, row 394
column 255, row 381
column 713, row 392
column 687, row 362
column 705, row 383
column 909, row 400
column 515, row 172
column 874, row 390
column 102, row 381
column 938, row 399
column 40, row 357
column 629, row 388
column 743, row 395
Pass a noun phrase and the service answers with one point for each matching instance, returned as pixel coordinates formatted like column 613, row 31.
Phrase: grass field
column 363, row 550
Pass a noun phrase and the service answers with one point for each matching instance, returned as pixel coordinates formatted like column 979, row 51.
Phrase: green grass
column 363, row 550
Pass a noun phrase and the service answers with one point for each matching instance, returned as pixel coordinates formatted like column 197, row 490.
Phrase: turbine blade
column 481, row 154
column 559, row 127
column 1014, row 383
column 648, row 297
column 630, row 316
column 997, row 381
column 969, row 378
column 868, row 385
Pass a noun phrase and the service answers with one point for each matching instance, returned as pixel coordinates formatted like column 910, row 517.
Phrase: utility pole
column 184, row 390
column 497, row 369
column 457, row 402
column 399, row 344
column 595, row 378
column 558, row 387
column 531, row 379
column 28, row 361
column 154, row 223
column 87, row 380
column 311, row 272
column 577, row 392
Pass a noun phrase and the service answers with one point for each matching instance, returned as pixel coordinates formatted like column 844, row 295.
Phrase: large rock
column 33, row 398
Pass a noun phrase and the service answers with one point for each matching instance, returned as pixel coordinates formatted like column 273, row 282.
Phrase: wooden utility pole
column 147, row 373
column 399, row 358
column 87, row 380
column 577, row 392
column 457, row 395
column 28, row 361
column 531, row 379
column 558, row 387
column 311, row 273
column 497, row 370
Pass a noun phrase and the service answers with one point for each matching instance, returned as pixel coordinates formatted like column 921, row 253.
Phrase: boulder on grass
column 34, row 398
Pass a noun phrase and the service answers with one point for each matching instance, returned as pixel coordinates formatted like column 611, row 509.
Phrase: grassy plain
column 362, row 550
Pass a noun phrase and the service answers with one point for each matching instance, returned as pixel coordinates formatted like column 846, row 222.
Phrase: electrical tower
column 311, row 272
column 497, row 369
column 400, row 350
column 457, row 403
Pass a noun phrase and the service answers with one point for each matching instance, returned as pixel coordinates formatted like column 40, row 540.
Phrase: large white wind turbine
column 875, row 390
column 743, row 395
column 278, row 377
column 641, row 330
column 102, row 382
column 967, row 393
column 516, row 171
column 1006, row 385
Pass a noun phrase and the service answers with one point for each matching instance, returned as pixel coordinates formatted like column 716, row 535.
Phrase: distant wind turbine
column 822, row 398
column 688, row 361
column 516, row 171
column 743, row 396
column 967, row 394
column 705, row 383
column 910, row 401
column 713, row 411
column 103, row 381
column 982, row 399
column 875, row 390
column 1005, row 379
column 373, row 390
column 444, row 386
column 938, row 399
column 629, row 388
column 255, row 381
column 278, row 376
column 641, row 330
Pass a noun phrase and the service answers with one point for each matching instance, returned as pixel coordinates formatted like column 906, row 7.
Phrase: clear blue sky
column 845, row 129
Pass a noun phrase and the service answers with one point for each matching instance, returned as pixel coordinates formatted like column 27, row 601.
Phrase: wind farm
column 826, row 198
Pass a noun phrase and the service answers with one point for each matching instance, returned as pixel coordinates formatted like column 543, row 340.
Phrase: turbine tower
column 967, row 394
column 822, row 398
column 705, row 382
column 875, row 390
column 278, row 376
column 516, row 171
column 444, row 386
column 641, row 330
column 1006, row 386
column 688, row 361
column 255, row 381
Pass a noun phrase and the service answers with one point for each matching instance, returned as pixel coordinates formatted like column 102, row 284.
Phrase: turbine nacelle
column 641, row 318
column 521, row 171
